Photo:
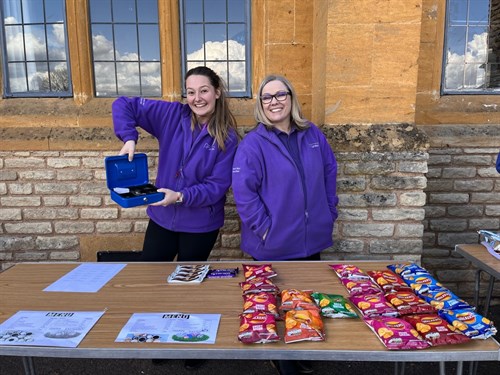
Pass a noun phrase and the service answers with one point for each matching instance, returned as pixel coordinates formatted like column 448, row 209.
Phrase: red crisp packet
column 349, row 271
column 303, row 325
column 408, row 303
column 396, row 334
column 257, row 328
column 251, row 271
column 260, row 302
column 373, row 305
column 359, row 287
column 435, row 330
column 389, row 281
column 294, row 299
column 258, row 284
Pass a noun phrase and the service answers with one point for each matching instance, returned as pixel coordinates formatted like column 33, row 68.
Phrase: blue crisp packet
column 442, row 298
column 469, row 323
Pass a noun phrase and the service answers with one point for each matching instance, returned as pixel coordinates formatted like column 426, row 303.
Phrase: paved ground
column 57, row 366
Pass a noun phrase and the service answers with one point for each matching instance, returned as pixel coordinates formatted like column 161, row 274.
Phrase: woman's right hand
column 128, row 148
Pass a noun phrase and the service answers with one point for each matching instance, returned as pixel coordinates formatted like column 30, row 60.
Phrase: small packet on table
column 435, row 330
column 188, row 274
column 258, row 328
column 261, row 303
column 373, row 305
column 251, row 271
column 303, row 325
column 333, row 306
column 470, row 323
column 294, row 299
column 222, row 273
column 389, row 281
column 259, row 284
column 396, row 333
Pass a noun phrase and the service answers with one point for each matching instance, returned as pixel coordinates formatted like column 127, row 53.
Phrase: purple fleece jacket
column 269, row 195
column 199, row 169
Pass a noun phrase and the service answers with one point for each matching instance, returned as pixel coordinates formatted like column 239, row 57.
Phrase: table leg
column 442, row 368
column 29, row 366
column 488, row 296
column 460, row 367
column 477, row 286
column 399, row 368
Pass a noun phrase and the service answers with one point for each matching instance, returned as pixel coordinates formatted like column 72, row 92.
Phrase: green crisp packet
column 333, row 305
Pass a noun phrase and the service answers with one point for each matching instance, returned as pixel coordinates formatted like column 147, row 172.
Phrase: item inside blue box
column 128, row 181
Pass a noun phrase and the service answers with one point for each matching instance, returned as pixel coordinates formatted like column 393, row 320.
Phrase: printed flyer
column 170, row 327
column 48, row 328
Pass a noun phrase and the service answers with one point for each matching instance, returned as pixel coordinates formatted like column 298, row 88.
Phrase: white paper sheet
column 173, row 327
column 48, row 328
column 86, row 278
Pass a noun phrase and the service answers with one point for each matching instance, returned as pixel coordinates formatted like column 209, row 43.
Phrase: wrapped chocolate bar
column 491, row 241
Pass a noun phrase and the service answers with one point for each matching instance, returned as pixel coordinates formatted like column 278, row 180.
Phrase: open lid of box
column 123, row 173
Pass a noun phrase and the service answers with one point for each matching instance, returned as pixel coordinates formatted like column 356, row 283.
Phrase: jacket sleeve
column 214, row 186
column 247, row 180
column 128, row 113
column 330, row 171
column 498, row 163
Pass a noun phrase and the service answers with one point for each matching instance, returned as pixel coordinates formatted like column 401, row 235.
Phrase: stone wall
column 55, row 205
column 463, row 196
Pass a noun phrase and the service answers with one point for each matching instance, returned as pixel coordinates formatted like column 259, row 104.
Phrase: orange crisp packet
column 303, row 325
column 294, row 299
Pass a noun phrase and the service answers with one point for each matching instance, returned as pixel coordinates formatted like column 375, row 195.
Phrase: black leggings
column 162, row 245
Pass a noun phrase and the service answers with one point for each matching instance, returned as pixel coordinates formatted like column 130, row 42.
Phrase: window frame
column 444, row 91
column 6, row 90
column 247, row 93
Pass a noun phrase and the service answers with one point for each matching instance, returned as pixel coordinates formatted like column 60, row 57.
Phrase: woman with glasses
column 284, row 184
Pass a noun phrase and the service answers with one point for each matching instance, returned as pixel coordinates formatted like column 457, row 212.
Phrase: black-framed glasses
column 280, row 97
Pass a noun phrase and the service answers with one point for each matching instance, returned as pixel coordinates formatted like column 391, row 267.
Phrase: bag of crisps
column 294, row 299
column 469, row 322
column 373, row 305
column 257, row 328
column 260, row 302
column 349, row 271
column 333, row 306
column 303, row 325
column 396, row 333
column 435, row 330
column 251, row 271
column 259, row 284
column 408, row 303
column 389, row 281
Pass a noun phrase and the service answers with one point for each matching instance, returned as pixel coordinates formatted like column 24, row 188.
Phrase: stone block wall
column 463, row 196
column 55, row 205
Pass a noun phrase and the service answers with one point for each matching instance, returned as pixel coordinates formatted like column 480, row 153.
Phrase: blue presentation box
column 128, row 181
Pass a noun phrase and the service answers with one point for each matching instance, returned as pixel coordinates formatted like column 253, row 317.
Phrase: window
column 472, row 47
column 35, row 50
column 125, row 47
column 216, row 33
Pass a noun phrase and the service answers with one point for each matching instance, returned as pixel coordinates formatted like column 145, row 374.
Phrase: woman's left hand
column 171, row 197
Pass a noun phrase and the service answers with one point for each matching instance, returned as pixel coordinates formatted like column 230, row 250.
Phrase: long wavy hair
column 296, row 111
column 222, row 119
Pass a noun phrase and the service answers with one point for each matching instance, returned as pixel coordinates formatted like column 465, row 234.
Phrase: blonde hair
column 296, row 111
column 222, row 119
